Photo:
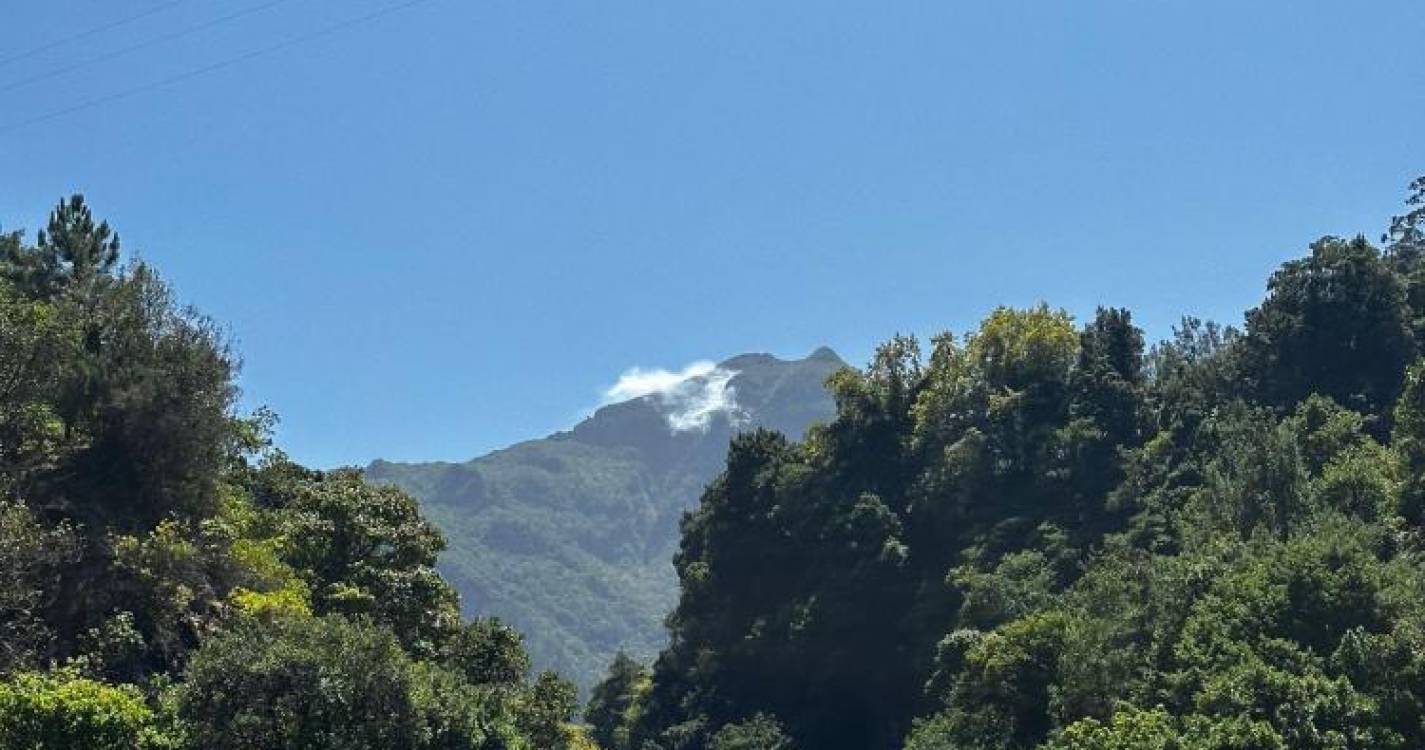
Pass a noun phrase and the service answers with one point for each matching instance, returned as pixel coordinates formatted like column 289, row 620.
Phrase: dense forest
column 168, row 579
column 1048, row 536
column 1036, row 535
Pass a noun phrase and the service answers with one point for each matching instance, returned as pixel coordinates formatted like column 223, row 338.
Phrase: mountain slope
column 570, row 537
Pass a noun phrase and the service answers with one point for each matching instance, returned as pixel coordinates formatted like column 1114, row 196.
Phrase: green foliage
column 173, row 579
column 1020, row 349
column 487, row 652
column 32, row 560
column 1334, row 323
column 1408, row 439
column 318, row 684
column 1002, row 696
column 332, row 683
column 819, row 578
column 116, row 432
column 73, row 254
column 453, row 714
column 1037, row 537
column 366, row 551
column 1020, row 584
column 33, row 337
column 761, row 732
column 615, row 702
column 544, row 711
column 1135, row 729
column 1255, row 480
column 63, row 710
column 1043, row 538
column 166, row 565
column 148, row 401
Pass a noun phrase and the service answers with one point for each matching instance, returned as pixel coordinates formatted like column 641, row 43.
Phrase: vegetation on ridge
column 1050, row 536
column 1037, row 535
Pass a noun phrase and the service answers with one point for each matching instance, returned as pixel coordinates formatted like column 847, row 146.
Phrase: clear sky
column 451, row 227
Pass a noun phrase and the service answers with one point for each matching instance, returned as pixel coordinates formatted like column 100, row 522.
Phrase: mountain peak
column 586, row 521
column 822, row 354
column 751, row 359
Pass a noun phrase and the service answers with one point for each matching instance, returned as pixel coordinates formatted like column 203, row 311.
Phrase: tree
column 614, row 700
column 305, row 684
column 1135, row 729
column 117, row 402
column 1108, row 378
column 1407, row 231
column 32, row 560
column 815, row 576
column 36, row 339
column 63, row 710
column 1105, row 411
column 1001, row 699
column 72, row 253
column 1405, row 251
column 1408, row 439
column 164, row 562
column 453, row 714
column 487, row 652
column 761, row 732
column 1254, row 480
column 544, row 711
column 1334, row 323
column 137, row 419
column 366, row 551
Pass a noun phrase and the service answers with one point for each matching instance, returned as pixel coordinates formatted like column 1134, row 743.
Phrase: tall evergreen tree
column 71, row 252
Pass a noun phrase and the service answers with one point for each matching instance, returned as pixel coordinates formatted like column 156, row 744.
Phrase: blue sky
column 452, row 227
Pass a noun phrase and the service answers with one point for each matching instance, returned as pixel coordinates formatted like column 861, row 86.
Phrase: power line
column 31, row 52
column 56, row 72
column 212, row 67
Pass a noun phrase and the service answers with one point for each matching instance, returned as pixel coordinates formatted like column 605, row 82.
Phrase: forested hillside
column 571, row 538
column 168, row 579
column 1042, row 534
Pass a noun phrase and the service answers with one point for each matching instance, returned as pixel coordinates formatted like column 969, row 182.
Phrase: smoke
column 690, row 397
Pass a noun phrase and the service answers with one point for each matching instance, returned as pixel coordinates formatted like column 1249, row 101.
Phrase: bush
column 64, row 710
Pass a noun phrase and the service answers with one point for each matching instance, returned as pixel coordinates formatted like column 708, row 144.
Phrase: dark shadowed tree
column 1405, row 250
column 1334, row 323
column 487, row 652
column 761, row 732
column 613, row 700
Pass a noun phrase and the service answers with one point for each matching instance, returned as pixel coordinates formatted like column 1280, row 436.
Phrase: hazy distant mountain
column 571, row 537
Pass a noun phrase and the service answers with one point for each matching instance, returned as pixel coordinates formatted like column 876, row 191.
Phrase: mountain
column 571, row 537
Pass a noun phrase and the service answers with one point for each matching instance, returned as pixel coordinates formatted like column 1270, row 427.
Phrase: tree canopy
column 1042, row 533
column 1049, row 535
column 169, row 579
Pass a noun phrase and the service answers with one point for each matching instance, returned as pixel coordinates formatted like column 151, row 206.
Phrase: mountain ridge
column 570, row 536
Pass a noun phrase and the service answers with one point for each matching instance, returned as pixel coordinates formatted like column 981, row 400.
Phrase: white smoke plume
column 691, row 397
